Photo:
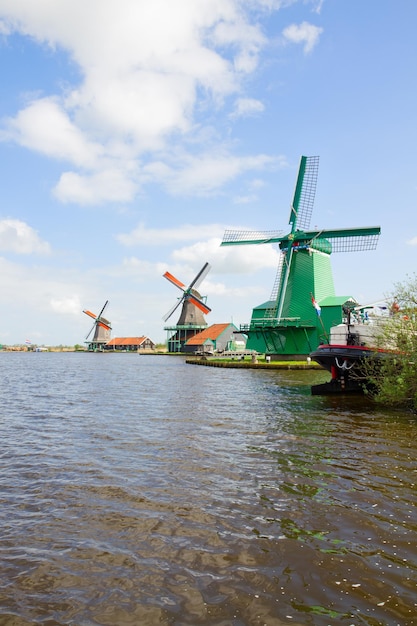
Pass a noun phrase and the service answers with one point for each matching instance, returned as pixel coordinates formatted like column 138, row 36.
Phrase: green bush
column 393, row 381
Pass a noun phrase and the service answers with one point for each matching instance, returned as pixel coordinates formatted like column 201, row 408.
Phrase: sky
column 134, row 132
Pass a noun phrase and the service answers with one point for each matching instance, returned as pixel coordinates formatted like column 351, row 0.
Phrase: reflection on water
column 142, row 490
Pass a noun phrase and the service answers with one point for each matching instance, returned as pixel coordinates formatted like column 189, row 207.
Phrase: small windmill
column 101, row 327
column 194, row 307
column 304, row 273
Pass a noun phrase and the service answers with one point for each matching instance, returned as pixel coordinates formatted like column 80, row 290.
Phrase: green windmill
column 303, row 305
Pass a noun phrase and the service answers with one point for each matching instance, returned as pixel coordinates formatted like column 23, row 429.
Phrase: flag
column 28, row 342
column 316, row 305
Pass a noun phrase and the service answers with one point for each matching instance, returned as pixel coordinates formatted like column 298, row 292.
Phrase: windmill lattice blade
column 275, row 287
column 199, row 304
column 105, row 326
column 271, row 311
column 90, row 314
column 174, row 281
column 102, row 310
column 348, row 240
column 174, row 308
column 305, row 192
column 200, row 276
column 90, row 331
column 238, row 237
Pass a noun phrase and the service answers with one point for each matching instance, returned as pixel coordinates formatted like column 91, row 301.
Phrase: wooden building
column 215, row 338
column 130, row 344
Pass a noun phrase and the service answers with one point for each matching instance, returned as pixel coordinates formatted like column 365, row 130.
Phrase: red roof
column 126, row 341
column 213, row 332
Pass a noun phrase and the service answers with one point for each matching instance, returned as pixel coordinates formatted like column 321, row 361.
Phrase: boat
column 350, row 346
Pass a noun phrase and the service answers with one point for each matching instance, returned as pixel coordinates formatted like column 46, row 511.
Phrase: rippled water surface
column 140, row 490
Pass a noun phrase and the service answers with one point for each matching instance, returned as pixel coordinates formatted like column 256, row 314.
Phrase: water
column 139, row 490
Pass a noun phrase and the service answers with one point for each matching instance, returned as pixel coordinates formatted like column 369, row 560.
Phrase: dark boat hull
column 346, row 366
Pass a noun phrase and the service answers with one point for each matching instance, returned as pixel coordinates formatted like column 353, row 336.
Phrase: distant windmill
column 191, row 300
column 191, row 320
column 101, row 327
column 284, row 324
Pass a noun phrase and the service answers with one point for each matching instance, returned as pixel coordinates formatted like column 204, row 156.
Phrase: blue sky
column 133, row 133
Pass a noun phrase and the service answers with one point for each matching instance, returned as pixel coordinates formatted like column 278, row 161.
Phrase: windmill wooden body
column 303, row 305
column 191, row 320
column 101, row 328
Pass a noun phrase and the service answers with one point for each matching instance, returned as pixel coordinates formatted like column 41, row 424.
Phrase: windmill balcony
column 185, row 327
column 283, row 322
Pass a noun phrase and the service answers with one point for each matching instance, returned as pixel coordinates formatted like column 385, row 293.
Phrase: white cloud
column 206, row 238
column 245, row 259
column 162, row 236
column 245, row 199
column 303, row 33
column 69, row 305
column 4, row 28
column 257, row 183
column 138, row 270
column 107, row 185
column 412, row 242
column 205, row 174
column 318, row 6
column 58, row 296
column 143, row 79
column 224, row 290
column 248, row 106
column 38, row 299
column 43, row 126
column 17, row 236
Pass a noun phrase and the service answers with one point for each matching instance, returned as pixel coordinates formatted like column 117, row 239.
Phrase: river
column 141, row 490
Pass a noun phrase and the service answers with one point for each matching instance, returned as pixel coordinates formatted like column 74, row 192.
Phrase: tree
column 393, row 380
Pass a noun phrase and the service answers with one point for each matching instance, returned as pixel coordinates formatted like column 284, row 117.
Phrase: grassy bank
column 248, row 362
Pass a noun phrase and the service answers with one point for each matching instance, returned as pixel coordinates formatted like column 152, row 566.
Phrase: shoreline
column 274, row 365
